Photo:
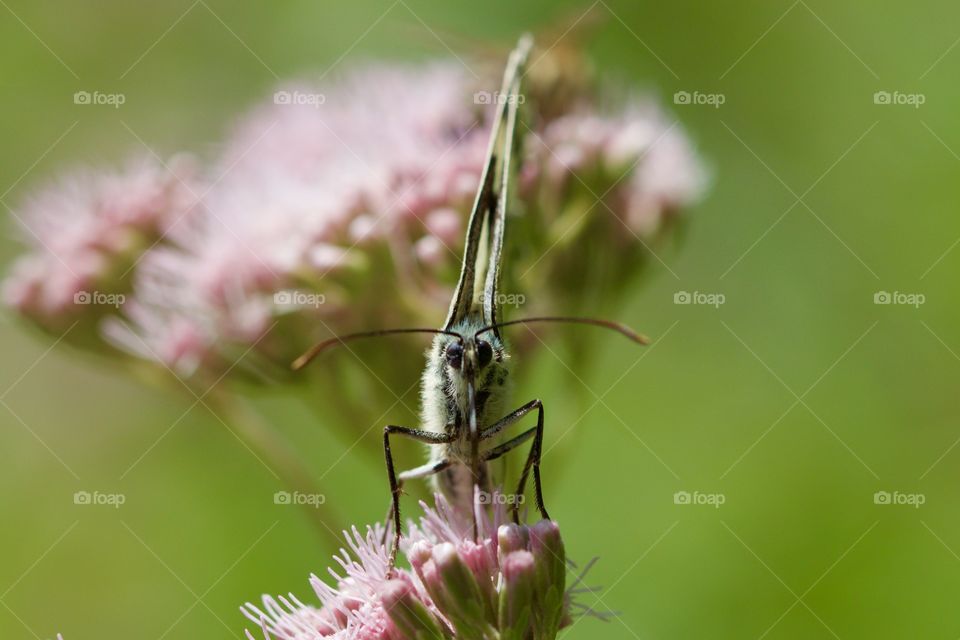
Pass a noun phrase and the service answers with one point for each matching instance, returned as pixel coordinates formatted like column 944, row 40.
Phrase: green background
column 797, row 399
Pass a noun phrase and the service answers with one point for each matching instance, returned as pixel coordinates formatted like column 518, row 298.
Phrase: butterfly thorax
column 453, row 367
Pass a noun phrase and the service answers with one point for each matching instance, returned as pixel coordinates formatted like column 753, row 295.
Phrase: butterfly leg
column 422, row 471
column 396, row 483
column 533, row 458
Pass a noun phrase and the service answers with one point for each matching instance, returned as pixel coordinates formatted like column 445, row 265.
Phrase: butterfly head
column 472, row 353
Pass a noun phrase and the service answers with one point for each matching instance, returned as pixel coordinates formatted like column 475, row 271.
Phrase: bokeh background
column 793, row 403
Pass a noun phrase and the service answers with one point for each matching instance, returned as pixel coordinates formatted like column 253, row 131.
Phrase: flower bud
column 455, row 591
column 548, row 552
column 511, row 537
column 517, row 595
column 405, row 609
column 547, row 548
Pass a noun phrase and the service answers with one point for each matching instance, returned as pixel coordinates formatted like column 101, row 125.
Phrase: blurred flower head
column 340, row 205
column 508, row 583
column 86, row 232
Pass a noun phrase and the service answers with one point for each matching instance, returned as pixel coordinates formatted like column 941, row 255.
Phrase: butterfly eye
column 484, row 353
column 455, row 355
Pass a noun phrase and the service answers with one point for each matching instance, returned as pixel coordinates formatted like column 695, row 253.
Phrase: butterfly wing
column 491, row 306
column 491, row 199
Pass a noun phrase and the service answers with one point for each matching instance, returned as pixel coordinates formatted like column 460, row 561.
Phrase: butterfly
column 465, row 383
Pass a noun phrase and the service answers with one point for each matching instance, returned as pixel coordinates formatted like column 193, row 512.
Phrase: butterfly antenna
column 597, row 322
column 320, row 347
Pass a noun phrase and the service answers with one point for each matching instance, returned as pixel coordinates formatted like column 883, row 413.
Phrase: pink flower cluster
column 508, row 583
column 312, row 210
column 654, row 168
column 335, row 206
column 84, row 231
